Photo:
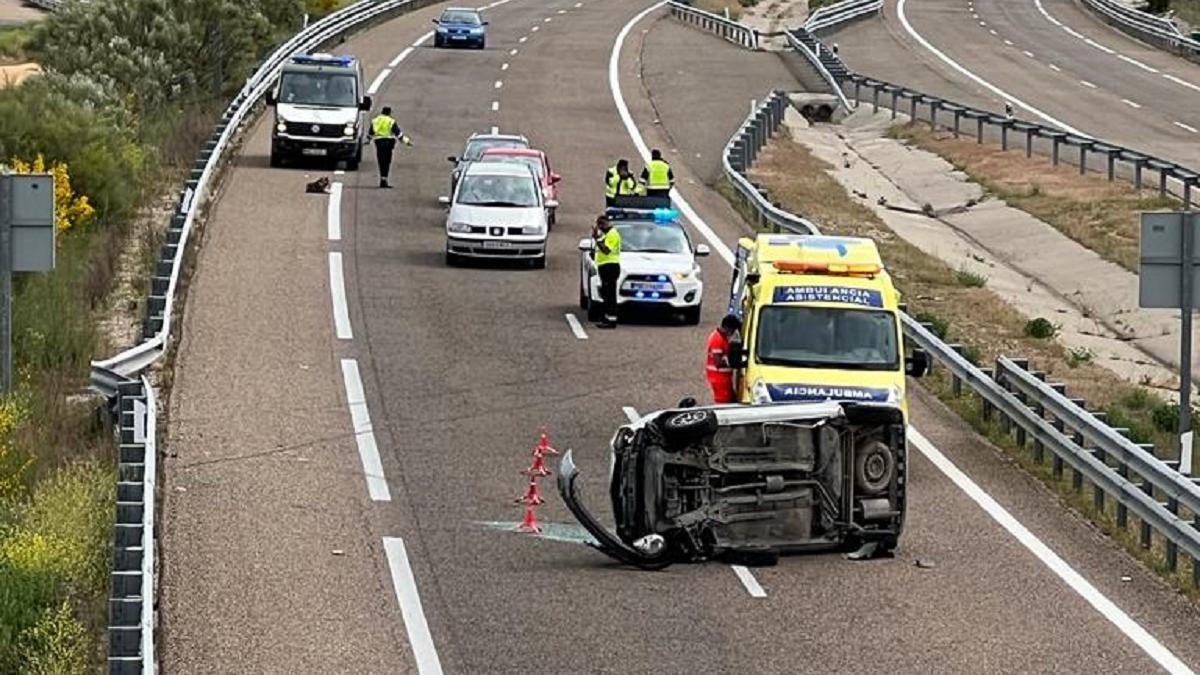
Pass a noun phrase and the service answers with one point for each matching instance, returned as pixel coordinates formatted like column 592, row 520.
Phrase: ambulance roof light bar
column 830, row 268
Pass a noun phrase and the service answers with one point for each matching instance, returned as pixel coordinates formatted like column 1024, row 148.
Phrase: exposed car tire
column 691, row 315
column 437, row 42
column 684, row 427
column 874, row 467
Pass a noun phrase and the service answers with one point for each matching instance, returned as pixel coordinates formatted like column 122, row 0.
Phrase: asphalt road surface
column 1058, row 64
column 287, row 549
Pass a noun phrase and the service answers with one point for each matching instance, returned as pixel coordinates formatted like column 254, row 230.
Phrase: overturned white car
column 748, row 483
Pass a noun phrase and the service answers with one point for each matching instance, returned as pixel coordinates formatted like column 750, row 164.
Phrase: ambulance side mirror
column 917, row 365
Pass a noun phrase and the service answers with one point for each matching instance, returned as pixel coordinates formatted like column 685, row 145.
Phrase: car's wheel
column 452, row 259
column 353, row 162
column 691, row 315
column 276, row 160
column 437, row 42
column 874, row 467
column 583, row 298
column 681, row 428
column 538, row 263
column 595, row 311
column 482, row 44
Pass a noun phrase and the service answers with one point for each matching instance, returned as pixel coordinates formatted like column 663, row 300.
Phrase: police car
column 659, row 270
column 320, row 109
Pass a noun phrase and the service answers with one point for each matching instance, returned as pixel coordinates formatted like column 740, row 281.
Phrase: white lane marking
column 400, row 57
column 1110, row 611
column 1087, row 84
column 993, row 31
column 1183, row 82
column 1097, row 45
column 547, row 20
column 1072, row 32
column 1131, row 104
column 578, row 5
column 495, row 130
column 337, row 291
column 983, row 23
column 1055, row 68
column 504, row 66
column 523, row 38
column 499, row 83
column 364, row 433
column 333, row 211
column 419, row 638
column 534, row 29
column 748, row 580
column 1153, row 648
column 562, row 11
column 975, row 78
column 513, row 52
column 1008, row 42
column 1137, row 63
column 1028, row 53
column 614, row 85
column 495, row 105
column 421, row 40
column 576, row 327
column 383, row 75
column 1186, row 127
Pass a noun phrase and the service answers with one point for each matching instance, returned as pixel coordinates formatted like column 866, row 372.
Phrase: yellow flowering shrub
column 13, row 463
column 70, row 210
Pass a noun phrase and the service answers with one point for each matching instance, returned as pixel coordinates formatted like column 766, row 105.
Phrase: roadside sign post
column 1167, row 279
column 26, row 245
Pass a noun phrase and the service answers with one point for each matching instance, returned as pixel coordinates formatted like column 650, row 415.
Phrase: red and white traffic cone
column 532, row 496
column 543, row 445
column 530, row 523
column 538, row 468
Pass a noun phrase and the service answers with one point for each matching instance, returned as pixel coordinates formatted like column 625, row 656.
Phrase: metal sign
column 1160, row 275
column 30, row 214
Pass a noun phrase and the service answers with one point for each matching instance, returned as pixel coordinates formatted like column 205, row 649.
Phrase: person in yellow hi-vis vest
column 619, row 182
column 657, row 176
column 608, row 265
column 385, row 130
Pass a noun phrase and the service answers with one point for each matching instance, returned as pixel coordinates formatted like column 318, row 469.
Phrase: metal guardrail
column 732, row 31
column 52, row 5
column 1156, row 30
column 121, row 379
column 822, row 60
column 1117, row 468
column 839, row 13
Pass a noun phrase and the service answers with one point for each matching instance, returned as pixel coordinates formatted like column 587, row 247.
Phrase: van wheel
column 353, row 162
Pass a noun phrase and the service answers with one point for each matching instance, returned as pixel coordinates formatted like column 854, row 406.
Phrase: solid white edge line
column 576, row 327
column 333, row 211
column 364, row 434
column 1186, row 127
column 1134, row 631
column 383, row 75
column 337, row 290
column 908, row 27
column 748, row 580
column 1113, row 613
column 421, row 40
column 405, row 584
column 400, row 57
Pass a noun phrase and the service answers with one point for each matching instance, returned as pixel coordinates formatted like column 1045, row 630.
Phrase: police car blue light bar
column 322, row 60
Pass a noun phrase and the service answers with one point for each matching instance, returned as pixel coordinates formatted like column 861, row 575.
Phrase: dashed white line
column 513, row 52
column 1180, row 81
column 337, row 291
column 405, row 584
column 1186, row 127
column 1131, row 104
column 562, row 11
column 523, row 38
column 364, row 433
column 495, row 105
column 421, row 40
column 1139, row 64
column 503, row 66
column 576, row 327
column 993, row 31
column 1028, row 53
column 400, row 57
column 748, row 580
column 1008, row 42
column 578, row 5
column 333, row 211
column 495, row 130
column 535, row 29
column 1055, row 68
column 1049, row 558
column 983, row 24
column 383, row 75
column 546, row 20
column 499, row 83
column 1087, row 84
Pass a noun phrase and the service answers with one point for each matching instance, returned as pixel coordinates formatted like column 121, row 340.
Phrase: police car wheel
column 276, row 160
column 691, row 315
column 583, row 299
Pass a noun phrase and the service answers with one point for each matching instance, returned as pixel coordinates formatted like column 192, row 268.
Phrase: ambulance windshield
column 827, row 337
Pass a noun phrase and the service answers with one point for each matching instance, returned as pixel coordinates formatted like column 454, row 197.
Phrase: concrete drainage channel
column 131, row 397
column 1028, row 407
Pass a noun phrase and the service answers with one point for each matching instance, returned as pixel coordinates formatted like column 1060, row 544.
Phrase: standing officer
column 384, row 131
column 608, row 265
column 657, row 176
column 717, row 368
column 618, row 181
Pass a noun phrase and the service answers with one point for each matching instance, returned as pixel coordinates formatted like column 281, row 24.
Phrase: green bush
column 937, row 325
column 1040, row 328
column 14, row 40
column 966, row 277
column 56, row 645
column 1166, row 417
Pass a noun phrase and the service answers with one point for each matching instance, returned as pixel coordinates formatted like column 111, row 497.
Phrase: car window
column 476, row 147
column 319, row 89
column 532, row 162
column 652, row 238
column 469, row 18
column 512, row 191
column 827, row 337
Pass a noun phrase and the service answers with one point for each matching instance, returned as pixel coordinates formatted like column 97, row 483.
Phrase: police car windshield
column 825, row 337
column 510, row 191
column 477, row 147
column 641, row 237
column 318, row 89
column 468, row 18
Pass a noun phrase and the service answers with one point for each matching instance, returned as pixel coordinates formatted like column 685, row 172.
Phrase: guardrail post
column 957, row 118
column 1112, row 165
column 1056, row 465
column 1054, row 151
column 1083, row 148
column 1137, row 172
column 979, row 130
column 1097, row 491
column 1039, row 450
column 933, row 110
column 857, row 84
column 875, row 100
column 1162, row 182
column 1122, row 510
column 912, row 116
column 1172, row 547
column 895, row 102
column 1076, row 474
column 1004, row 135
column 1029, row 142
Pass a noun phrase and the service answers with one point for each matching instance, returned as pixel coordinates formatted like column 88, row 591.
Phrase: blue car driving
column 460, row 26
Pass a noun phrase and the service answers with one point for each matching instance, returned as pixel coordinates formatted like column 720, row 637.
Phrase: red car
column 534, row 159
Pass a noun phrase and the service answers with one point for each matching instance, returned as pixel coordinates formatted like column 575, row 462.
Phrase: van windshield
column 823, row 337
column 326, row 90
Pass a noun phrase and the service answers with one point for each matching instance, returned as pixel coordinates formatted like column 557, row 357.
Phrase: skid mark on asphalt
column 419, row 638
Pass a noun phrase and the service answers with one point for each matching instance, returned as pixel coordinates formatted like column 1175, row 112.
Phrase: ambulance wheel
column 691, row 316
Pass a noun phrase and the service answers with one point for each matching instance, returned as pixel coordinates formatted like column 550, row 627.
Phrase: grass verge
column 1097, row 214
column 14, row 43
column 968, row 313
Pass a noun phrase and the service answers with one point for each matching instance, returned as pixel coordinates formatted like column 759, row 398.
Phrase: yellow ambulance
column 820, row 321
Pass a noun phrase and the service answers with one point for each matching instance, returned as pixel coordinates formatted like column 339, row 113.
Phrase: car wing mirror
column 917, row 365
column 585, row 244
column 702, row 250
column 555, row 178
column 272, row 99
column 437, row 22
column 452, row 159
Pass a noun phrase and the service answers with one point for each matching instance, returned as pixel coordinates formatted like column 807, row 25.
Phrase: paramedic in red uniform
column 717, row 368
